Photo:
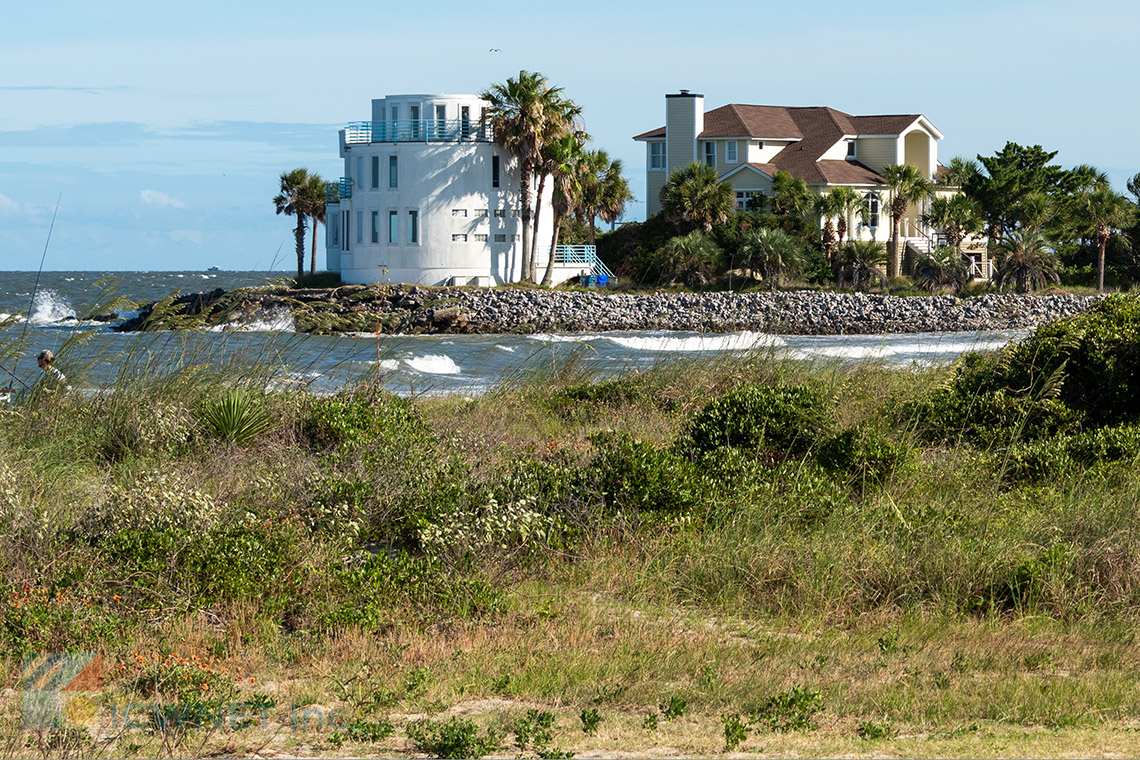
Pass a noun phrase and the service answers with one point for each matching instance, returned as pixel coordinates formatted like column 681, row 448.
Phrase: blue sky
column 165, row 127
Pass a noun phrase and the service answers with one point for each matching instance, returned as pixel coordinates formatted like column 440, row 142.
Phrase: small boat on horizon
column 214, row 269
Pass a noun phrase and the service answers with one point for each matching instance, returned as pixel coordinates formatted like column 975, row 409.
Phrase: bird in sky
column 495, row 50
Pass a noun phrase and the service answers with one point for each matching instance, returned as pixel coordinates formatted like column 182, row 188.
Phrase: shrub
column 863, row 455
column 456, row 738
column 237, row 418
column 641, row 476
column 784, row 419
column 790, row 710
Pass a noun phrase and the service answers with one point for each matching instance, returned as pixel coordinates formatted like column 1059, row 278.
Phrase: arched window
column 871, row 203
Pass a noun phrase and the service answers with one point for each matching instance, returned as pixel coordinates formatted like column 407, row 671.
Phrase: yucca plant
column 237, row 417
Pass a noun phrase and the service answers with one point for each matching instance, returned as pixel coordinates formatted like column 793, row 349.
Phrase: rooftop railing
column 417, row 130
column 334, row 191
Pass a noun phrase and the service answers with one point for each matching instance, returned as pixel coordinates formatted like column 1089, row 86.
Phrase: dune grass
column 565, row 566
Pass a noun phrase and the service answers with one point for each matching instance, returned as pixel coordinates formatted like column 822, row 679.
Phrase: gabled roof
column 812, row 129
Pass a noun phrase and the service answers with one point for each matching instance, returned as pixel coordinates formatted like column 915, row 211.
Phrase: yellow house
column 748, row 144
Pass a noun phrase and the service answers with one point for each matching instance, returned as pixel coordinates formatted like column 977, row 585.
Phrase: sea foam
column 433, row 364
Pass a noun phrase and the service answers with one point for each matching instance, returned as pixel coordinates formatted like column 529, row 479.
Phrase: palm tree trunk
column 299, row 234
column 524, row 200
column 534, row 227
column 592, row 229
column 313, row 258
column 895, row 265
column 1102, row 244
column 549, row 274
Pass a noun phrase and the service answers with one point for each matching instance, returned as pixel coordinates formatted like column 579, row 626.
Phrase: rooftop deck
column 417, row 130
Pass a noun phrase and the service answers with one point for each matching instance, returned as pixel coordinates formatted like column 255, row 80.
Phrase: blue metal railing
column 581, row 254
column 334, row 191
column 417, row 130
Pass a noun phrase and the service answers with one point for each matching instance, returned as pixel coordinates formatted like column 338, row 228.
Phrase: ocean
column 93, row 356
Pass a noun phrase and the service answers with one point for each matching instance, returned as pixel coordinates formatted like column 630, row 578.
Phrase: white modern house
column 826, row 148
column 428, row 198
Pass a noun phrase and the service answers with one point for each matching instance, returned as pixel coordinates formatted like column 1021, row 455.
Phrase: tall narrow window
column 710, row 154
column 376, row 172
column 359, row 226
column 347, row 229
column 871, row 209
column 393, row 173
column 494, row 171
column 464, row 122
column 657, row 155
column 851, row 149
column 359, row 172
column 414, row 116
column 730, row 152
column 393, row 227
column 375, row 226
column 483, row 123
column 440, row 120
column 413, row 226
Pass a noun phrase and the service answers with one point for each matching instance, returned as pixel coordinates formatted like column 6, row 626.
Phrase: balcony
column 418, row 130
column 334, row 191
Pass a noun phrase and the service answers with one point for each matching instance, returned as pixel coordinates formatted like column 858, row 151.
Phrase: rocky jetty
column 414, row 310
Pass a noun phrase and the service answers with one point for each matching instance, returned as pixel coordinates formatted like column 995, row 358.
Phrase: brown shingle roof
column 815, row 129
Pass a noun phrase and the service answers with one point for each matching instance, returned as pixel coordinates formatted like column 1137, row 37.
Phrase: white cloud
column 8, row 206
column 187, row 236
column 157, row 198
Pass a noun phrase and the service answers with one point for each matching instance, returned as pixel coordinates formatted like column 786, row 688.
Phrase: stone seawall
column 411, row 309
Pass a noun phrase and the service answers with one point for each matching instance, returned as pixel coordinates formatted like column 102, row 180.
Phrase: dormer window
column 851, row 149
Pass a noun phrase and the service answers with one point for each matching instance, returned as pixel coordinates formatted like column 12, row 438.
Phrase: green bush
column 1033, row 461
column 779, row 419
column 644, row 477
column 863, row 455
column 455, row 738
column 1110, row 444
column 237, row 418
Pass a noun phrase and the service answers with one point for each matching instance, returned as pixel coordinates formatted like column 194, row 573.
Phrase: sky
column 161, row 129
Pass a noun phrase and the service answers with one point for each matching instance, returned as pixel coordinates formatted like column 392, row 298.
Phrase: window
column 375, row 226
column 710, row 154
column 657, row 155
column 730, row 152
column 459, row 237
column 395, row 117
column 500, row 212
column 414, row 115
column 413, row 226
column 359, row 226
column 744, row 199
column 479, row 238
column 464, row 122
column 459, row 212
column 376, row 172
column 494, row 171
column 393, row 173
column 500, row 237
column 760, row 144
column 871, row 209
column 440, row 120
column 480, row 212
column 515, row 212
column 851, row 149
column 515, row 238
column 334, row 230
column 393, row 227
column 359, row 172
column 347, row 229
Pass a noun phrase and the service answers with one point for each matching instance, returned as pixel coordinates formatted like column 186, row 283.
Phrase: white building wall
column 448, row 186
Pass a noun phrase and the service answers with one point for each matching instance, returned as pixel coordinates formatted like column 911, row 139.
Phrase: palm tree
column 1035, row 210
column 845, row 204
column 960, row 171
column 525, row 113
column 313, row 196
column 695, row 196
column 693, row 258
column 791, row 197
column 291, row 201
column 605, row 191
column 865, row 259
column 773, row 252
column 1102, row 212
column 1027, row 262
column 907, row 186
column 956, row 217
column 565, row 160
column 825, row 211
column 941, row 268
